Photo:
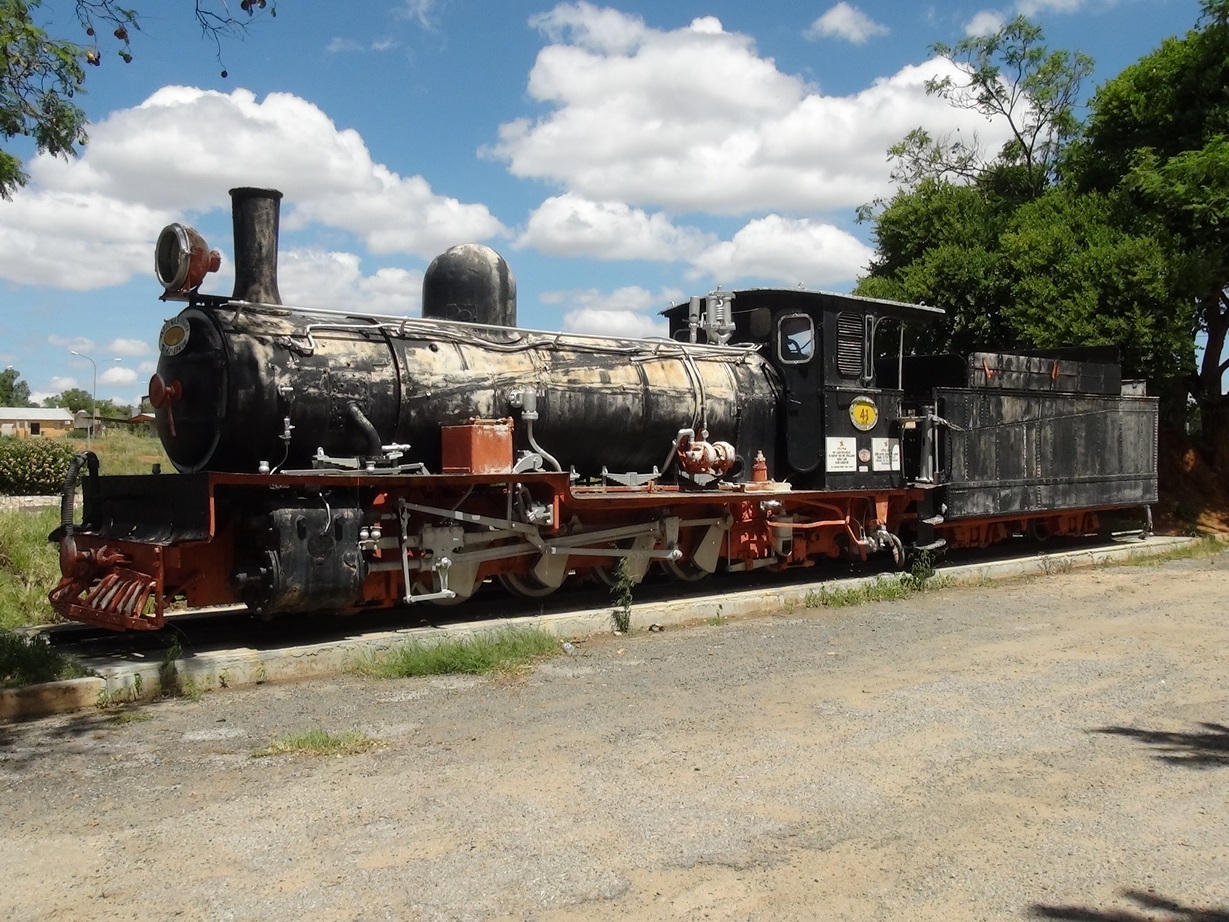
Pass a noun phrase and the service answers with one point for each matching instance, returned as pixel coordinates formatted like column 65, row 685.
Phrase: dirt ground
column 1050, row 749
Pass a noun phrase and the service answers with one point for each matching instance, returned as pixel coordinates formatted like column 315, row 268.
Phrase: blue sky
column 620, row 157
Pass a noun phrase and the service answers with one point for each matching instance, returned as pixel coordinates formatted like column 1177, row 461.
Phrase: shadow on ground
column 1150, row 908
column 1207, row 748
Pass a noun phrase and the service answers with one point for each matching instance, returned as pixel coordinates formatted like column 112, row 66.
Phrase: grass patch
column 29, row 566
column 319, row 742
column 123, row 452
column 478, row 655
column 31, row 660
column 920, row 578
column 1206, row 546
column 880, row 589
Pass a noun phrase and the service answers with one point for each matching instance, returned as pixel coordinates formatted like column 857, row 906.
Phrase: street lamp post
column 89, row 431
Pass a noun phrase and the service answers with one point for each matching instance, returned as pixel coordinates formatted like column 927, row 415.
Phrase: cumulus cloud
column 788, row 252
column 91, row 221
column 117, row 376
column 127, row 347
column 78, row 240
column 629, row 311
column 984, row 22
column 695, row 120
column 615, row 323
column 570, row 225
column 847, row 22
column 315, row 278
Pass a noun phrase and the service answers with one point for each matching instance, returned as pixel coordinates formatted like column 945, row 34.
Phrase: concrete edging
column 125, row 681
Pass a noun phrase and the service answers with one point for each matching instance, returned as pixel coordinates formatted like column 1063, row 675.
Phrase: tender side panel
column 1028, row 452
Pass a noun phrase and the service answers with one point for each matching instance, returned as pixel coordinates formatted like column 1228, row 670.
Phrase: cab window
column 795, row 339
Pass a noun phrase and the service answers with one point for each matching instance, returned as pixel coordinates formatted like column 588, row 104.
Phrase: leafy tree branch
column 41, row 74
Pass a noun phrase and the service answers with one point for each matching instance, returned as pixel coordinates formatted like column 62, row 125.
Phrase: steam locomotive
column 340, row 460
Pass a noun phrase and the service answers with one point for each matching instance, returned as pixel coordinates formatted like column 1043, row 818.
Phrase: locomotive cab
column 838, row 427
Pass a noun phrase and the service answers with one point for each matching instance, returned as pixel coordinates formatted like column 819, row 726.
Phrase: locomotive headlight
column 182, row 259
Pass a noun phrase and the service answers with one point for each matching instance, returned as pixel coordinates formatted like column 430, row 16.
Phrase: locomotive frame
column 344, row 461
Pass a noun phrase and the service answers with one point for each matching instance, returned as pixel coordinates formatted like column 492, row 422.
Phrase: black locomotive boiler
column 340, row 460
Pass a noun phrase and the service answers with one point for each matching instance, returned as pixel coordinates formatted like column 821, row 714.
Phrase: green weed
column 1206, row 546
column 478, row 655
column 320, row 743
column 621, row 598
column 31, row 660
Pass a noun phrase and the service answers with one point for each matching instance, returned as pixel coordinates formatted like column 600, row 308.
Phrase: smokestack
column 256, row 214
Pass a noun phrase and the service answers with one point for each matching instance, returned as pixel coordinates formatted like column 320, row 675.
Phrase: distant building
column 24, row 422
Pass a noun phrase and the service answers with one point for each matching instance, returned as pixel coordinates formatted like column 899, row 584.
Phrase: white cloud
column 127, row 347
column 570, row 225
column 343, row 45
column 847, row 22
column 629, row 311
column 314, row 278
column 350, row 45
column 615, row 323
column 694, row 120
column 57, row 385
column 420, row 11
column 91, row 221
column 788, row 252
column 117, row 376
column 76, row 240
column 1035, row 7
column 72, row 343
column 984, row 22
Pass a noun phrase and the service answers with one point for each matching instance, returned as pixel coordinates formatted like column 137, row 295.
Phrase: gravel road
column 1048, row 749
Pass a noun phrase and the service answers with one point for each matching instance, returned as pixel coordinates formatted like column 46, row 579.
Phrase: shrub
column 33, row 467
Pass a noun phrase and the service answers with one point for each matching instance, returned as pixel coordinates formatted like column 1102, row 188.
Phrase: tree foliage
column 14, row 392
column 1114, row 232
column 1011, row 76
column 76, row 399
column 41, row 74
column 1159, row 132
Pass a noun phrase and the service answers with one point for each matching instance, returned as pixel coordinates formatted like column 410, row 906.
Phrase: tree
column 1009, row 75
column 42, row 75
column 939, row 236
column 1018, row 256
column 13, row 391
column 938, row 244
column 1083, row 271
column 74, row 400
column 1159, row 134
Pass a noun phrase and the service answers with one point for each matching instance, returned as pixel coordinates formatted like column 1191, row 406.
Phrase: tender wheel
column 527, row 587
column 1039, row 531
column 685, row 570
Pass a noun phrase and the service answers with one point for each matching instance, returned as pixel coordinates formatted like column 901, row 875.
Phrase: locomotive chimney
column 255, row 213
